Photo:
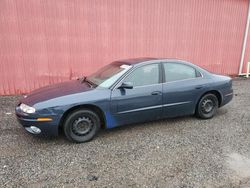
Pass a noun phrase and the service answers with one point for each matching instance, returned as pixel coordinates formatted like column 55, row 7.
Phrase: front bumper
column 35, row 127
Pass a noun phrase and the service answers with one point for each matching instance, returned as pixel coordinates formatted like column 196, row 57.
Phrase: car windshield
column 108, row 75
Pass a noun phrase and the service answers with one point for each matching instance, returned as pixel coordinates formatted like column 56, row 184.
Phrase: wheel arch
column 92, row 107
column 215, row 92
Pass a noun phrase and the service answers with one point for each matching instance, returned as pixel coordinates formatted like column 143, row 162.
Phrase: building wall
column 49, row 41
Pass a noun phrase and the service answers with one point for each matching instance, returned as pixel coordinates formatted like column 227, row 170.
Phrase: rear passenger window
column 176, row 71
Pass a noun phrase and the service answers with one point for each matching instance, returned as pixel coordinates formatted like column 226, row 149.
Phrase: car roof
column 134, row 61
column 148, row 60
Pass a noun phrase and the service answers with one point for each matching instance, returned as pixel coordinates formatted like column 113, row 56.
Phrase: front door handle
column 199, row 87
column 156, row 93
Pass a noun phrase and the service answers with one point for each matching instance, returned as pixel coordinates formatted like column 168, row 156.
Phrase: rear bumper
column 35, row 127
column 227, row 98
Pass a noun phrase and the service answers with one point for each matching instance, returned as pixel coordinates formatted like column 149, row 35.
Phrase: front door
column 141, row 103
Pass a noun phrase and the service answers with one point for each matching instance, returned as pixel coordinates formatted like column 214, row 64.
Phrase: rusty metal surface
column 49, row 41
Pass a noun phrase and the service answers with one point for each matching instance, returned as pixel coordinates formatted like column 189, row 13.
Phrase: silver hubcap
column 82, row 126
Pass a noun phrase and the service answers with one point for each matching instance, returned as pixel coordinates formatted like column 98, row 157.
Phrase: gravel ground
column 182, row 152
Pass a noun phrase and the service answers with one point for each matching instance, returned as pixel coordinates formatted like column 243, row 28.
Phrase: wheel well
column 87, row 106
column 216, row 93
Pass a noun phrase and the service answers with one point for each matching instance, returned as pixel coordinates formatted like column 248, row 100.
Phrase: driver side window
column 145, row 75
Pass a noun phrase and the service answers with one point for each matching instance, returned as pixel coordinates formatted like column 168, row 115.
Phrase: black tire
column 81, row 125
column 207, row 106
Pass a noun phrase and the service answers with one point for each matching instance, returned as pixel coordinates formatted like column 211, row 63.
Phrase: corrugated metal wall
column 48, row 41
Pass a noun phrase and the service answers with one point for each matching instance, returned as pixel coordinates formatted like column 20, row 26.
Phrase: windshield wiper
column 92, row 84
column 82, row 79
column 85, row 79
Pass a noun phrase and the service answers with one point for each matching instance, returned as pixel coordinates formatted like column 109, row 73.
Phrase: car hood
column 54, row 91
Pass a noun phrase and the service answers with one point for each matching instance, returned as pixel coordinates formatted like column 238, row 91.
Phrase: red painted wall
column 48, row 41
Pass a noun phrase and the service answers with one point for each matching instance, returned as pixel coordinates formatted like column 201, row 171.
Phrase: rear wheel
column 81, row 125
column 207, row 106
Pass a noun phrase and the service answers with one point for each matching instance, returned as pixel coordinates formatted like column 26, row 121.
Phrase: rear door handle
column 198, row 87
column 156, row 93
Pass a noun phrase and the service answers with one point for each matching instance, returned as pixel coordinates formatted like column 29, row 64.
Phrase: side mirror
column 126, row 85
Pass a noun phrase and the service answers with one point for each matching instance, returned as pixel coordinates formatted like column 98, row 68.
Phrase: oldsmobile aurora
column 124, row 92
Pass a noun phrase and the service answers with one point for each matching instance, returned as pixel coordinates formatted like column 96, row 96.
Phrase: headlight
column 27, row 109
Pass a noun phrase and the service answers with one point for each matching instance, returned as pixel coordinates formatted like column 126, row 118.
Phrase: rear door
column 144, row 101
column 182, row 86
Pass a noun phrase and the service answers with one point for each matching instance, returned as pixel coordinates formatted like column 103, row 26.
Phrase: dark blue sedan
column 124, row 92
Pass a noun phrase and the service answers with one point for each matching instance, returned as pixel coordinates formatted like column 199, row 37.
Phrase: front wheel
column 207, row 106
column 81, row 125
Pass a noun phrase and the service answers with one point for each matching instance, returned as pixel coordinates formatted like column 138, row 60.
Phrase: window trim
column 164, row 73
column 133, row 69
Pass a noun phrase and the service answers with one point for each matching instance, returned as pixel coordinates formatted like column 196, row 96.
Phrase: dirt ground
column 181, row 152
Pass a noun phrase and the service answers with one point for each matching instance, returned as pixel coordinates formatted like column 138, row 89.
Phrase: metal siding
column 49, row 41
